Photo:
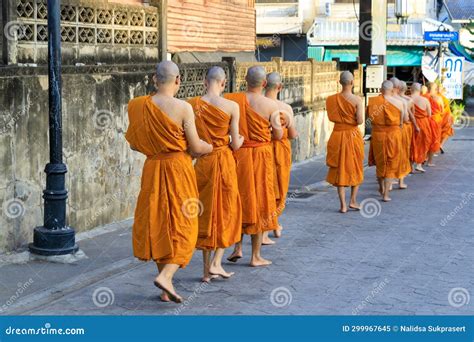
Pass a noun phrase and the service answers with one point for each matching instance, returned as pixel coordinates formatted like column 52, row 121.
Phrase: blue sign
column 441, row 36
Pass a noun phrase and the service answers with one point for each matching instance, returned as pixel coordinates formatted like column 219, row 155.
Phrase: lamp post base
column 53, row 242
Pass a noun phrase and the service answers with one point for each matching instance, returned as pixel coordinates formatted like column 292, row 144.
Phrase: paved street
column 414, row 255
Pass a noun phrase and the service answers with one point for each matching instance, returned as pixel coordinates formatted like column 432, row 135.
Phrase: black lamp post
column 54, row 237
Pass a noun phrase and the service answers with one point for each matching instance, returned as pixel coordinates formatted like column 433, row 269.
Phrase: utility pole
column 54, row 237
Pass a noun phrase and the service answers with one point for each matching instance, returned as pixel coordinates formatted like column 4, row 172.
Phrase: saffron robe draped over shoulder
column 435, row 123
column 345, row 149
column 386, row 140
column 282, row 155
column 447, row 121
column 421, row 141
column 220, row 224
column 405, row 150
column 255, row 170
column 165, row 228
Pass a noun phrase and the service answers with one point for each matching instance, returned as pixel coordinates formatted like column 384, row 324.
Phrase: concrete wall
column 104, row 174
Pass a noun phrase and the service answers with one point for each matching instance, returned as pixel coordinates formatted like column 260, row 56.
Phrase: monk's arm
column 360, row 112
column 196, row 145
column 428, row 107
column 412, row 117
column 292, row 132
column 277, row 130
column 237, row 139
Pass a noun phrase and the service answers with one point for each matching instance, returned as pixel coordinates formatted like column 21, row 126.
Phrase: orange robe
column 435, row 123
column 166, row 217
column 345, row 149
column 282, row 155
column 421, row 141
column 220, row 224
column 405, row 150
column 255, row 171
column 447, row 121
column 386, row 140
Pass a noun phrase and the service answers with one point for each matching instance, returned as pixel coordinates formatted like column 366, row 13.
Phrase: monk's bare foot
column 391, row 187
column 207, row 279
column 355, row 206
column 430, row 164
column 219, row 271
column 381, row 191
column 167, row 286
column 420, row 169
column 259, row 262
column 277, row 232
column 403, row 186
column 343, row 210
column 236, row 255
column 267, row 241
column 164, row 297
column 386, row 199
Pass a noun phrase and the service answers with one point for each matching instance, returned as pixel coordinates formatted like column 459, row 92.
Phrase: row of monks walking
column 407, row 132
column 237, row 185
column 240, row 142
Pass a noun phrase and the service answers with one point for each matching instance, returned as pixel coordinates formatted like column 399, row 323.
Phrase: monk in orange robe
column 421, row 139
column 281, row 149
column 407, row 132
column 220, row 224
column 345, row 149
column 411, row 127
column 166, row 217
column 436, row 104
column 386, row 114
column 259, row 121
column 447, row 122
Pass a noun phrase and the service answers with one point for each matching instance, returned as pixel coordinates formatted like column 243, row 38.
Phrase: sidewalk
column 411, row 256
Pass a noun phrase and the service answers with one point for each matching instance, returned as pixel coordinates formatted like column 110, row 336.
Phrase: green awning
column 396, row 55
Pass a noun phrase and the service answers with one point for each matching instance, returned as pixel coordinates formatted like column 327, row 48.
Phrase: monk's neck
column 165, row 92
column 257, row 90
column 213, row 92
column 272, row 94
column 346, row 90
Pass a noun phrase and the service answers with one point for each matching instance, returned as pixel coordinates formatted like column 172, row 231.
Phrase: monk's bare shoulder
column 228, row 106
column 271, row 105
column 285, row 107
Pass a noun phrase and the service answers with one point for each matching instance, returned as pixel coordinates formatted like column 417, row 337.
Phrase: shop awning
column 396, row 55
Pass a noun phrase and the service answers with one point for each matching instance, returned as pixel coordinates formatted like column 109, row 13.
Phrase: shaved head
column 215, row 74
column 166, row 72
column 346, row 78
column 255, row 76
column 273, row 80
column 396, row 82
column 432, row 85
column 387, row 86
column 403, row 86
column 415, row 87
